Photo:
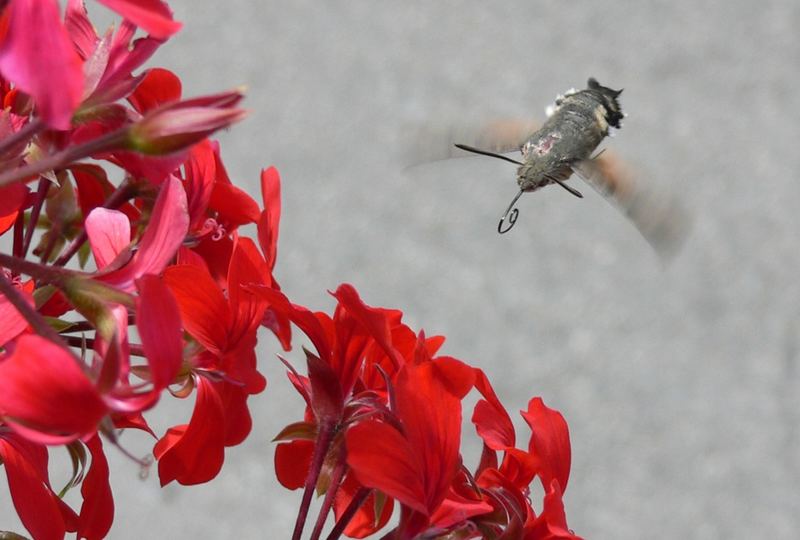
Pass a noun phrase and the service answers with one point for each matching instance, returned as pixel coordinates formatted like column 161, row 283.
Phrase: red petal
column 159, row 323
column 269, row 222
column 382, row 458
column 159, row 86
column 364, row 522
column 280, row 325
column 552, row 522
column 374, row 320
column 55, row 306
column 300, row 316
column 203, row 307
column 431, row 417
column 194, row 454
column 491, row 419
column 238, row 422
column 458, row 509
column 234, row 205
column 153, row 16
column 240, row 365
column 11, row 200
column 155, row 169
column 457, row 377
column 35, row 503
column 94, row 188
column 549, row 442
column 292, row 461
column 519, row 467
column 201, row 172
column 36, row 51
column 42, row 388
column 247, row 267
column 12, row 323
column 217, row 255
column 97, row 510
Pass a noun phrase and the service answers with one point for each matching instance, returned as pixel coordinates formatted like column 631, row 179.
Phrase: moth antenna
column 512, row 219
column 486, row 153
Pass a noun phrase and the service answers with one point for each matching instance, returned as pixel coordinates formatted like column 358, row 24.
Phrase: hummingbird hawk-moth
column 577, row 123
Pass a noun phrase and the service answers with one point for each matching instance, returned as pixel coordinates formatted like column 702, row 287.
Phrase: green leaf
column 77, row 454
column 305, row 431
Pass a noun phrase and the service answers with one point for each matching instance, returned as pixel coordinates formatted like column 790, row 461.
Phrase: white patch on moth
column 542, row 147
column 600, row 115
column 551, row 109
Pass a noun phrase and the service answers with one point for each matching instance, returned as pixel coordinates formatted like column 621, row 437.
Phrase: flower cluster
column 117, row 294
column 383, row 426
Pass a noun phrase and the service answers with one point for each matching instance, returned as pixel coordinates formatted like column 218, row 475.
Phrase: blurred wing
column 659, row 216
column 434, row 144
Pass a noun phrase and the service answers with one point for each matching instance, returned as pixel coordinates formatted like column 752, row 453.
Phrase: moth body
column 578, row 123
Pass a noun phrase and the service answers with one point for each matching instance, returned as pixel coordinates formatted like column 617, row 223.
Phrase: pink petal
column 168, row 226
column 109, row 233
column 80, row 28
column 38, row 56
column 177, row 126
column 153, row 16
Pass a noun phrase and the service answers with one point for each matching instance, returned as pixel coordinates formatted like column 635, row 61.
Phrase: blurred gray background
column 680, row 383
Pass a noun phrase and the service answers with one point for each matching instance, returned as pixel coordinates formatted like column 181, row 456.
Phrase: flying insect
column 577, row 123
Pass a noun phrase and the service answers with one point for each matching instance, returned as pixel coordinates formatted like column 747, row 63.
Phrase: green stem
column 41, row 195
column 327, row 503
column 323, row 442
column 64, row 279
column 110, row 141
column 42, row 273
column 134, row 349
column 355, row 503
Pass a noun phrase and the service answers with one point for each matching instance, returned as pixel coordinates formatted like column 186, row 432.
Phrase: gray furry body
column 578, row 124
